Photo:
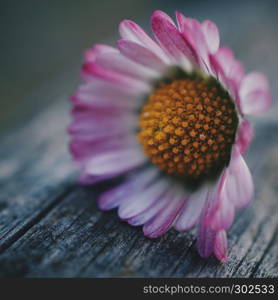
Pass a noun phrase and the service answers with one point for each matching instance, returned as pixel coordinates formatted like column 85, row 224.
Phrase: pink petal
column 106, row 91
column 83, row 149
column 113, row 60
column 192, row 209
column 253, row 81
column 192, row 32
column 98, row 49
column 93, row 101
column 194, row 35
column 96, row 71
column 94, row 122
column 189, row 28
column 90, row 99
column 149, row 213
column 244, row 136
column 115, row 162
column 165, row 217
column 256, row 102
column 228, row 70
column 222, row 60
column 140, row 54
column 81, row 132
column 224, row 214
column 213, row 198
column 181, row 21
column 205, row 241
column 236, row 73
column 134, row 185
column 255, row 94
column 239, row 183
column 137, row 203
column 211, row 34
column 134, row 33
column 171, row 40
column 221, row 246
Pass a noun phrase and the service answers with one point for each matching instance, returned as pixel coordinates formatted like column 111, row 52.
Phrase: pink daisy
column 169, row 113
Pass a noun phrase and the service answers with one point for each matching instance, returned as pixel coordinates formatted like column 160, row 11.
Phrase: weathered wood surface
column 51, row 227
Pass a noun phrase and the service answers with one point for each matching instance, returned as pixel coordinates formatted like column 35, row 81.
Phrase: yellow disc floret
column 187, row 127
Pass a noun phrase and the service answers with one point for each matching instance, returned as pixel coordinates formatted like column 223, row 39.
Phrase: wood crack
column 271, row 243
column 39, row 216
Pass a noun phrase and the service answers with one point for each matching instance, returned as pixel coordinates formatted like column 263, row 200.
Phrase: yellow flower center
column 187, row 127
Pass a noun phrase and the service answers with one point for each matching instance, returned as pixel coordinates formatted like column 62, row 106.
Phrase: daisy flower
column 169, row 114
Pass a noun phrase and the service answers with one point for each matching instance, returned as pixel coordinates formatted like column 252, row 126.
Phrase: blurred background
column 42, row 42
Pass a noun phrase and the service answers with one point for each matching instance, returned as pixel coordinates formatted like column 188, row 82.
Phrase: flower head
column 170, row 114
